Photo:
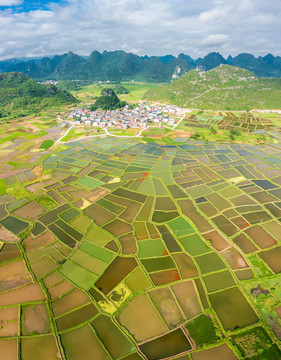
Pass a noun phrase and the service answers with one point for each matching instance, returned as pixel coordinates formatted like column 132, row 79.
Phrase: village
column 140, row 117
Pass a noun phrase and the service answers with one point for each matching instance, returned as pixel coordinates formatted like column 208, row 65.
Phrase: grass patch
column 46, row 144
column 2, row 187
column 259, row 265
column 69, row 135
column 11, row 163
column 13, row 136
column 202, row 330
column 47, row 202
column 18, row 191
column 36, row 136
column 147, row 139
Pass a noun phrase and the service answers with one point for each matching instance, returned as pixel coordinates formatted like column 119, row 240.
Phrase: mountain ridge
column 119, row 65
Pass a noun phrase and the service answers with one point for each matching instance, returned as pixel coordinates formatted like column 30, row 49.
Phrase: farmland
column 125, row 248
column 136, row 90
column 162, row 246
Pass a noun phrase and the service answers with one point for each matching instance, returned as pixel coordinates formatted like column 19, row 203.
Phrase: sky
column 33, row 28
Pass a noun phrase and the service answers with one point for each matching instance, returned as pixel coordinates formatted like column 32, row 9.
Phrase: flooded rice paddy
column 124, row 243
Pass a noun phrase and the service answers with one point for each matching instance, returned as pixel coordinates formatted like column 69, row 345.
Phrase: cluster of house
column 139, row 117
column 267, row 111
column 52, row 82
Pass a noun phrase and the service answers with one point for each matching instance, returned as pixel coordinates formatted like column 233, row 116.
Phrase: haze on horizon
column 32, row 28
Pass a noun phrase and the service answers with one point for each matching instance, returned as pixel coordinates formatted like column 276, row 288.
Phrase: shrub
column 235, row 132
column 213, row 130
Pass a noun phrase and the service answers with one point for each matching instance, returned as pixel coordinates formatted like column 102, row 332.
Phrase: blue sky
column 19, row 6
column 153, row 27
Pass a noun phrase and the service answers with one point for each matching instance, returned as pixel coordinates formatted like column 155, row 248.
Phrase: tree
column 119, row 89
column 233, row 133
column 213, row 130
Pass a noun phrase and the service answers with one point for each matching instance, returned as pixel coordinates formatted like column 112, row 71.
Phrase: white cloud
column 10, row 2
column 215, row 40
column 153, row 27
column 215, row 14
column 265, row 19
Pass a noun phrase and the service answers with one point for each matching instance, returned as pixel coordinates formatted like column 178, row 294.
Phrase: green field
column 136, row 91
column 160, row 244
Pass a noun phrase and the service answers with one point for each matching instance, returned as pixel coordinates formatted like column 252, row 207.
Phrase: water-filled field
column 121, row 249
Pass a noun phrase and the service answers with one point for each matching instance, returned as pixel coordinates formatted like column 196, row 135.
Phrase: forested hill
column 119, row 65
column 113, row 66
column 20, row 95
column 223, row 88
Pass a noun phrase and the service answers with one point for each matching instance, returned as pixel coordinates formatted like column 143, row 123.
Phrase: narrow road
column 196, row 97
column 174, row 126
column 139, row 134
column 179, row 121
column 107, row 133
column 59, row 140
column 126, row 136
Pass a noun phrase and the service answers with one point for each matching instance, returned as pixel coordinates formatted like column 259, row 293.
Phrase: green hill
column 223, row 88
column 20, row 95
column 108, row 101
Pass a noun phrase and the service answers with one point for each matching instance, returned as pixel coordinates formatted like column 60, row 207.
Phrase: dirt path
column 196, row 97
column 71, row 127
